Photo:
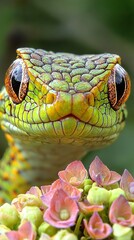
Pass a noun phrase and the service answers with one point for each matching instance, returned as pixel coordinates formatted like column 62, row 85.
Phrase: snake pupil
column 120, row 84
column 16, row 78
column 16, row 81
column 118, row 87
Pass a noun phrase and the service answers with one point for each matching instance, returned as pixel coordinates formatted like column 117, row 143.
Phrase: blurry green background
column 78, row 26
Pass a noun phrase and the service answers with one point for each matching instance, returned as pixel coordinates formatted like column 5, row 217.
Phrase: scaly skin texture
column 65, row 112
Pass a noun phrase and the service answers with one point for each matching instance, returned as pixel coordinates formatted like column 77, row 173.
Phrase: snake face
column 64, row 98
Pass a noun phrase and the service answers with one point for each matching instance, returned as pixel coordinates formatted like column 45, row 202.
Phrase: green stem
column 77, row 227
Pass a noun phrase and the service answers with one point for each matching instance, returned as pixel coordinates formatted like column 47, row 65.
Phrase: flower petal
column 24, row 232
column 96, row 228
column 120, row 212
column 63, row 210
column 73, row 192
column 126, row 185
column 99, row 172
column 115, row 177
column 35, row 191
column 75, row 173
column 87, row 208
column 46, row 198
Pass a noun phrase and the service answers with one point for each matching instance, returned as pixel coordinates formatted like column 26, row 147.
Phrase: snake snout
column 62, row 105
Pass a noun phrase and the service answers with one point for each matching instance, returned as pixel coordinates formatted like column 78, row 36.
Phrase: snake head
column 65, row 98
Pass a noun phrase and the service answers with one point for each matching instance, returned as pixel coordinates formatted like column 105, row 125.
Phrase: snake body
column 53, row 109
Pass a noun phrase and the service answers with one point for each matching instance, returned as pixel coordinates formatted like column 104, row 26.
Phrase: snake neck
column 45, row 160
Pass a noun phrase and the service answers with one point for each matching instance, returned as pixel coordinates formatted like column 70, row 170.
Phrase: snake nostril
column 89, row 99
column 50, row 98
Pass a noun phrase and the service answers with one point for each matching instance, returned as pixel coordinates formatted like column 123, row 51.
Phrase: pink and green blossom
column 101, row 174
column 96, row 228
column 24, row 232
column 63, row 210
column 120, row 212
column 75, row 206
column 127, row 184
column 73, row 192
column 75, row 174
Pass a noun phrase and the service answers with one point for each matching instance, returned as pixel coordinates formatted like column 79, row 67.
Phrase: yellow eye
column 16, row 81
column 119, row 86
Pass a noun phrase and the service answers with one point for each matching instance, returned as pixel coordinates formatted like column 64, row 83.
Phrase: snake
column 54, row 108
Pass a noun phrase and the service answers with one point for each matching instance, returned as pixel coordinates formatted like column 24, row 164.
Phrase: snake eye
column 16, row 81
column 118, row 87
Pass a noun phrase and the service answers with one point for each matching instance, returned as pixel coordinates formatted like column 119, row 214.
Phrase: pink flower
column 45, row 188
column 63, row 210
column 120, row 212
column 35, row 191
column 72, row 192
column 24, row 232
column 101, row 174
column 46, row 198
column 127, row 184
column 96, row 228
column 75, row 174
column 87, row 208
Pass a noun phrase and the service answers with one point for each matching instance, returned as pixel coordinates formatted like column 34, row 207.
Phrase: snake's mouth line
column 71, row 116
column 61, row 119
column 12, row 128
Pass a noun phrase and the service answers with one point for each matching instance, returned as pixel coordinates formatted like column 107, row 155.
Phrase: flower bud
column 9, row 216
column 122, row 232
column 47, row 228
column 115, row 193
column 23, row 200
column 88, row 181
column 64, row 235
column 97, row 195
column 44, row 236
column 32, row 214
column 87, row 185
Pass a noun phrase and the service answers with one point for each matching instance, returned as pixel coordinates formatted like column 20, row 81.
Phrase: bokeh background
column 81, row 27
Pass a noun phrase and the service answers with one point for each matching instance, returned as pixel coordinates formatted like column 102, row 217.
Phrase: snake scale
column 54, row 108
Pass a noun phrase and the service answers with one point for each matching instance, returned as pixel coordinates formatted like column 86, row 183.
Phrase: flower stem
column 77, row 226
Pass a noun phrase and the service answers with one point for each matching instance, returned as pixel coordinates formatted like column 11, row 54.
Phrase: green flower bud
column 9, row 216
column 45, row 237
column 70, row 236
column 114, row 194
column 33, row 215
column 47, row 228
column 87, row 184
column 64, row 235
column 112, row 186
column 122, row 232
column 23, row 200
column 97, row 195
column 87, row 188
column 88, row 181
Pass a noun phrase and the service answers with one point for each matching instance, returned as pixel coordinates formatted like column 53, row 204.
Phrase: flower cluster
column 80, row 204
